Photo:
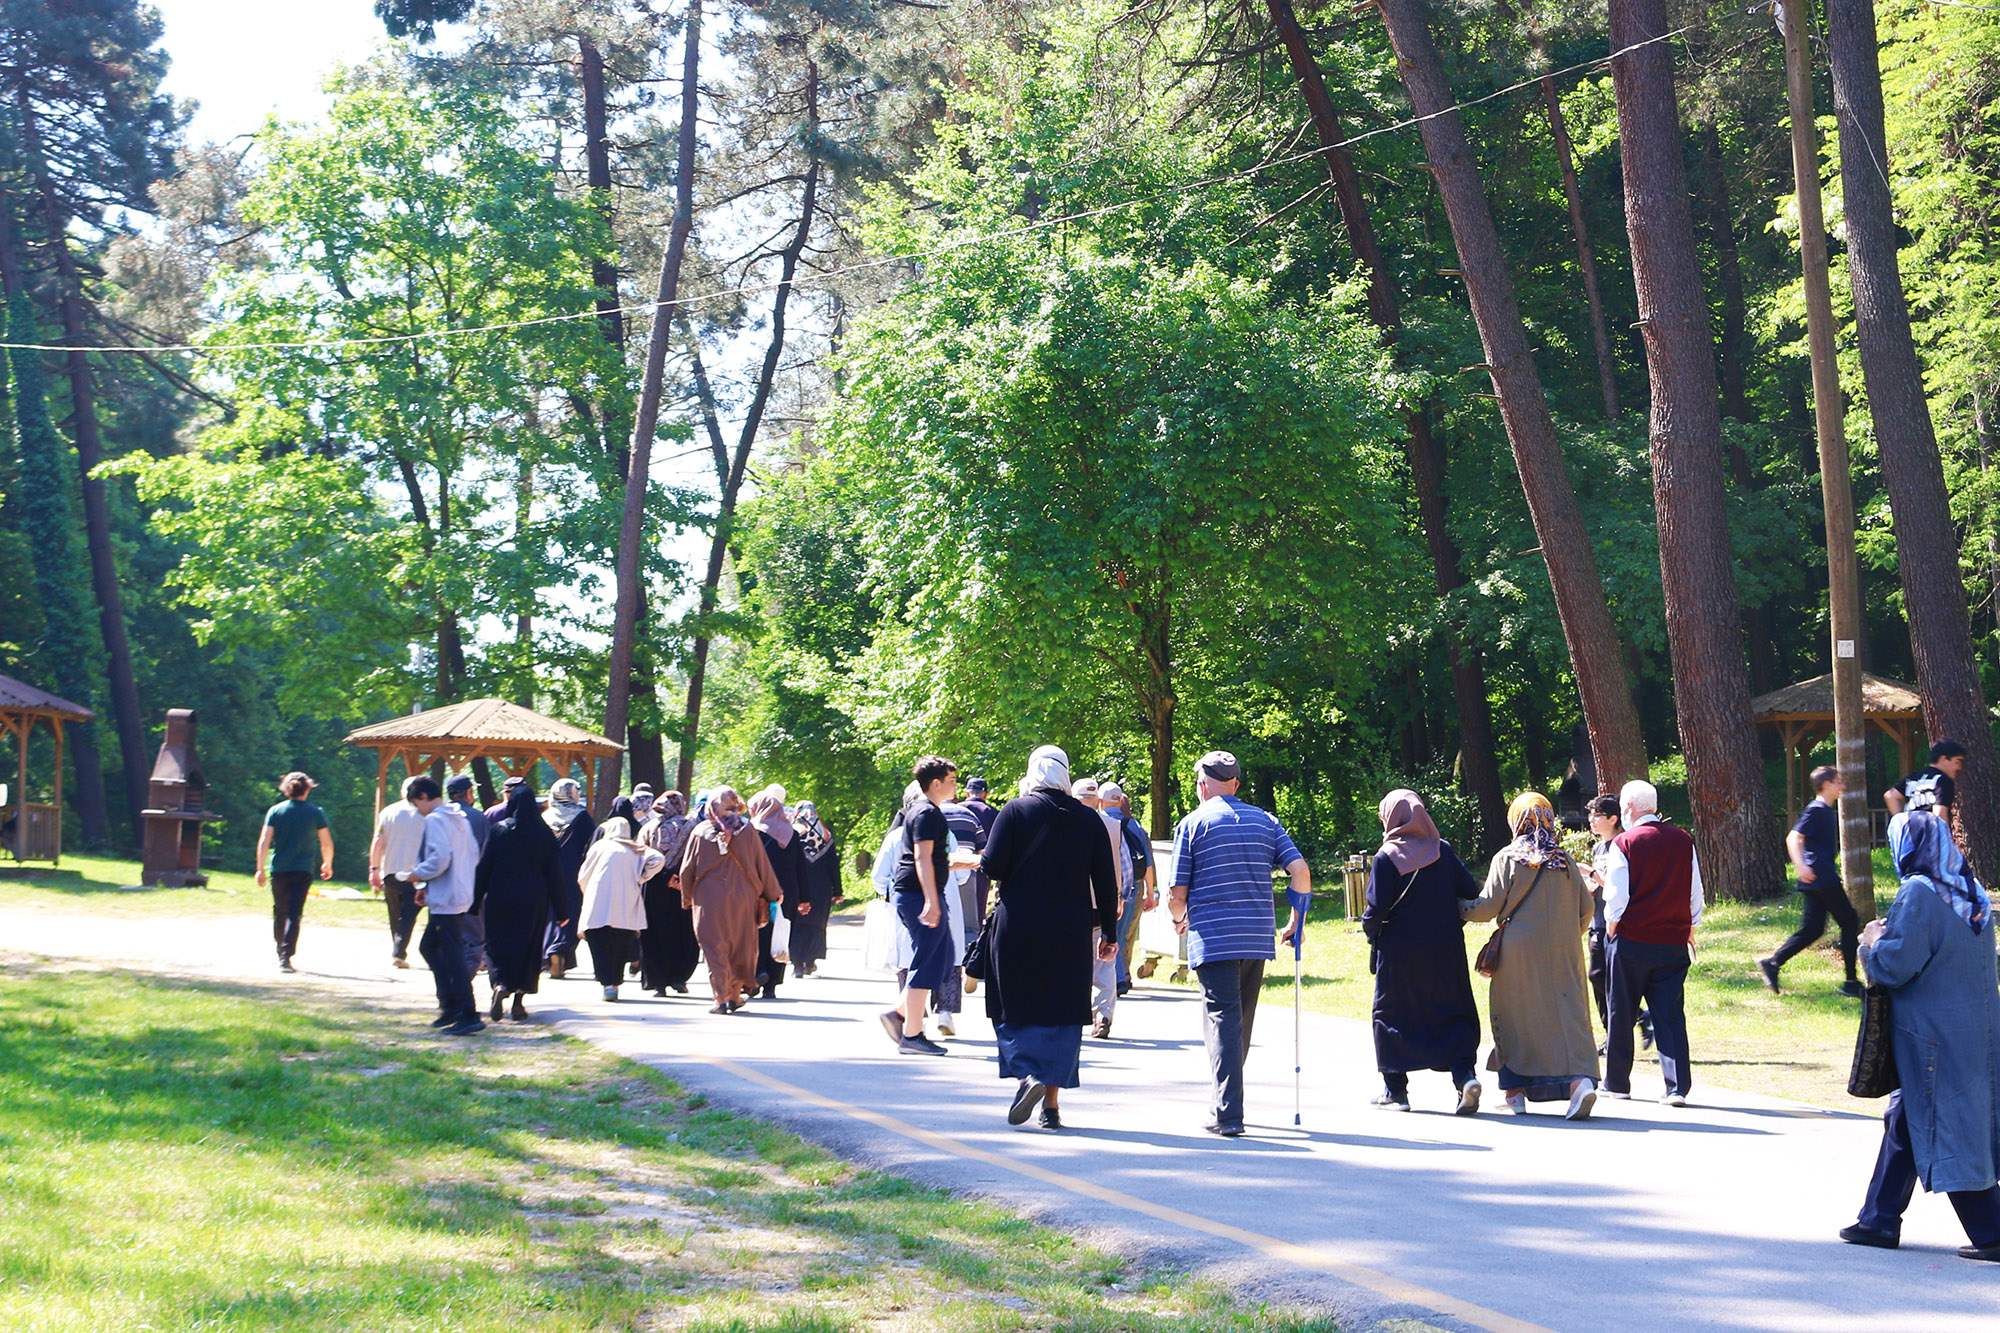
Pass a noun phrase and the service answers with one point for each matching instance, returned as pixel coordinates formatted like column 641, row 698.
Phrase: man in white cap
column 1104, row 973
column 1224, row 853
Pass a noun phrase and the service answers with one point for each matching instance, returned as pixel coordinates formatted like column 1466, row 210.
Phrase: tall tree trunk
column 1579, row 592
column 1927, row 543
column 1481, row 769
column 1726, row 787
column 753, row 420
column 631, row 530
column 51, row 531
column 1586, row 260
column 1729, row 269
column 135, row 763
column 1157, row 697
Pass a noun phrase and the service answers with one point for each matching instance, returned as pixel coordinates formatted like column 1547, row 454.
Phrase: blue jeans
column 1128, row 921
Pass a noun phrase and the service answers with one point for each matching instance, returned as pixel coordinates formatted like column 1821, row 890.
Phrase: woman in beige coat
column 726, row 881
column 1543, row 1046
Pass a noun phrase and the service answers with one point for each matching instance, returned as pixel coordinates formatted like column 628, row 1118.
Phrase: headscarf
column 813, row 835
column 767, row 812
column 617, row 828
column 1536, row 841
column 621, row 809
column 699, row 811
column 565, row 803
column 726, row 823
column 1924, row 851
column 1048, row 767
column 642, row 800
column 1409, row 837
column 668, row 828
column 523, row 814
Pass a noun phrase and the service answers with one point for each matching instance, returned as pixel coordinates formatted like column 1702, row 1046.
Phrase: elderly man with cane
column 1224, row 853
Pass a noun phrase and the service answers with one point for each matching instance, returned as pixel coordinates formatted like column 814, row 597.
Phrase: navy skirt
column 1046, row 1054
column 930, row 946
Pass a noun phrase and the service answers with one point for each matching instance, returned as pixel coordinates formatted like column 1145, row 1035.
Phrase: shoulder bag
column 1488, row 961
column 979, row 953
column 1375, row 950
column 1874, row 1071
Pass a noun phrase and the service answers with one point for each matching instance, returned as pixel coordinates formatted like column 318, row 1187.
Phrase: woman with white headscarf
column 1054, row 883
column 1425, row 1017
column 1934, row 954
column 614, row 876
column 575, row 830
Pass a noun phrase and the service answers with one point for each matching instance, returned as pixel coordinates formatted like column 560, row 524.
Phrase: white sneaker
column 1517, row 1102
column 1582, row 1096
column 1468, row 1098
column 947, row 1028
column 1673, row 1099
column 610, row 992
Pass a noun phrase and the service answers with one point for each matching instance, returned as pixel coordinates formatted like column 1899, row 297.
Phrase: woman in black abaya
column 668, row 950
column 1425, row 1017
column 822, row 886
column 517, row 880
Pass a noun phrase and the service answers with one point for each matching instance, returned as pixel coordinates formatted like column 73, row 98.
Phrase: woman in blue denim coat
column 1934, row 952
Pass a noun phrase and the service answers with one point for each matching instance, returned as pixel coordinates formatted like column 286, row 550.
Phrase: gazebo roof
column 482, row 724
column 20, row 697
column 1813, row 699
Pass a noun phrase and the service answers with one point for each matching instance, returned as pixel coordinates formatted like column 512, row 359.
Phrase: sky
column 243, row 60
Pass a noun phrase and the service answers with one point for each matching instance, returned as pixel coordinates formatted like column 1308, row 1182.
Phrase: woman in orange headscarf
column 1543, row 1047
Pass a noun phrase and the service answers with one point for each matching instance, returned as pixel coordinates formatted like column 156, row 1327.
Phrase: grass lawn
column 1798, row 1044
column 102, row 885
column 180, row 1155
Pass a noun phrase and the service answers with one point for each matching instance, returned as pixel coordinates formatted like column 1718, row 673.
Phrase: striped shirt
column 1224, row 853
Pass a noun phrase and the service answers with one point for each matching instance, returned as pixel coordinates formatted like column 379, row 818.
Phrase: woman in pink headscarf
column 1425, row 1017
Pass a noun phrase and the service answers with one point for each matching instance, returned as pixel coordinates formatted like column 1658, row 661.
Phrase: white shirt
column 1618, row 879
column 449, row 862
column 401, row 828
column 613, row 879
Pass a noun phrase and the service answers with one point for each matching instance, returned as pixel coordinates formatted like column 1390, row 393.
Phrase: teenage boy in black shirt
column 1934, row 788
column 1814, row 846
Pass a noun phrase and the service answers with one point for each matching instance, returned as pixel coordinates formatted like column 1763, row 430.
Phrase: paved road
column 1645, row 1219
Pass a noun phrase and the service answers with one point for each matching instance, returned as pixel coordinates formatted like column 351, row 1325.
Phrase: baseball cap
column 977, row 786
column 1219, row 765
column 1083, row 787
column 457, row 784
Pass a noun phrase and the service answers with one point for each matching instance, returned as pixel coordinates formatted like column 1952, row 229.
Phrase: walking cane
column 1299, row 903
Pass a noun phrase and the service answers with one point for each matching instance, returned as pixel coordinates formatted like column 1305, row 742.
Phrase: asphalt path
column 1644, row 1219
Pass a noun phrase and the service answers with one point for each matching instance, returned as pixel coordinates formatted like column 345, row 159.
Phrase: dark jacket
column 1425, row 1016
column 1049, row 901
column 788, row 863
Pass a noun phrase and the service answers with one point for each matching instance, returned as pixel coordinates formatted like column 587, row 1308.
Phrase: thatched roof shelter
column 1802, row 715
column 37, row 828
column 509, row 735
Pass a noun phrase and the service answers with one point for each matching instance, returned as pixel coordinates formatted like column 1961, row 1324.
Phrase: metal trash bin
column 1355, row 874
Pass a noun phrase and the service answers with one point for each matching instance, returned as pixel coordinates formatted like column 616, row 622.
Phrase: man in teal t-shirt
column 294, row 842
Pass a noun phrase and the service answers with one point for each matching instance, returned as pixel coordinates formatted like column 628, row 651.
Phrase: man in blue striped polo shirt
column 1224, row 853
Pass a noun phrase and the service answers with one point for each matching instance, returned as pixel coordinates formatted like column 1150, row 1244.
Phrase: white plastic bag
column 781, row 937
column 879, row 929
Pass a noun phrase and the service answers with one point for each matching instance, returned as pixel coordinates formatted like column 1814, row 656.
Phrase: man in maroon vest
column 1652, row 903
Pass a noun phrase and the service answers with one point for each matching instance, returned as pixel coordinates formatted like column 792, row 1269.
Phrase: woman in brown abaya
column 726, row 881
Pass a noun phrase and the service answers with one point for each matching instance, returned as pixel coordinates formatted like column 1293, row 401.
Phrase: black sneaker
column 920, row 1045
column 1026, row 1098
column 285, row 965
column 1860, row 1235
column 1051, row 1118
column 1769, row 967
column 444, row 1020
column 1853, row 990
column 892, row 1023
column 1226, row 1131
column 465, row 1028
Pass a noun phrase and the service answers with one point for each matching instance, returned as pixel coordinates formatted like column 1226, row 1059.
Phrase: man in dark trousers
column 1652, row 903
column 1814, row 846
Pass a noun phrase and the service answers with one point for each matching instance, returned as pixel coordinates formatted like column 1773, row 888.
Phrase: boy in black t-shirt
column 922, row 874
column 1814, row 845
column 1934, row 788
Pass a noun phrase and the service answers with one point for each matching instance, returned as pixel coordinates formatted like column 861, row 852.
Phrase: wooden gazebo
column 1802, row 715
column 513, row 737
column 37, row 829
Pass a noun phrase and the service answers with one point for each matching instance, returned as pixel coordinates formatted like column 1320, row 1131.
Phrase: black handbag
column 1488, row 961
column 1874, row 1072
column 979, row 952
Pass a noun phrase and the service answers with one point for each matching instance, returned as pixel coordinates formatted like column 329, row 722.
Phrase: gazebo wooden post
column 21, row 794
column 382, row 760
column 56, row 724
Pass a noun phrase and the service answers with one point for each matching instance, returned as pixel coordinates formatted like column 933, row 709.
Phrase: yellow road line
column 1383, row 1284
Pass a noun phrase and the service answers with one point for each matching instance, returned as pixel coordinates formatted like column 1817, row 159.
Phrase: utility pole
column 1843, row 572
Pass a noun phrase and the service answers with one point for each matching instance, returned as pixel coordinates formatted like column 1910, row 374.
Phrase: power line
column 751, row 289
